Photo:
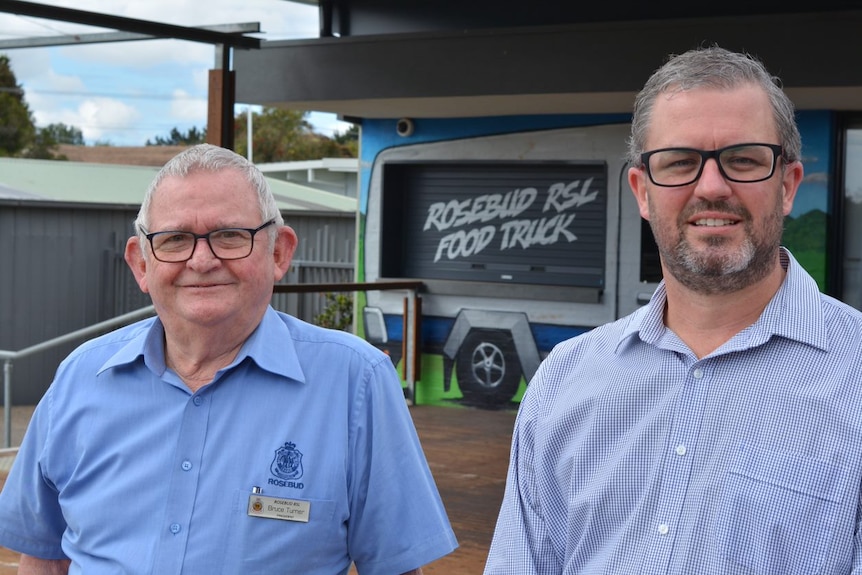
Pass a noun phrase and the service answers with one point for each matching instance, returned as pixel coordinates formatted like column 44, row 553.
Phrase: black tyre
column 488, row 368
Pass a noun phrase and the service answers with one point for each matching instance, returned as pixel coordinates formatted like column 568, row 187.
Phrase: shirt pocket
column 778, row 511
column 265, row 546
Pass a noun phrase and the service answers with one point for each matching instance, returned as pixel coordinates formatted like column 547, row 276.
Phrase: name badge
column 278, row 508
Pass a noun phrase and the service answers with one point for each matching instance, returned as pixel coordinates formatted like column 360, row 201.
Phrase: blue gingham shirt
column 632, row 456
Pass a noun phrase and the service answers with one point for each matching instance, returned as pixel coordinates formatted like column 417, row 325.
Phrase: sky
column 126, row 93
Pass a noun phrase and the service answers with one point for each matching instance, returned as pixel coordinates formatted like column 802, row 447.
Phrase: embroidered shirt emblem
column 287, row 463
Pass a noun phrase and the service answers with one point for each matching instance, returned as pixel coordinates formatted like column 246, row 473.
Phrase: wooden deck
column 468, row 452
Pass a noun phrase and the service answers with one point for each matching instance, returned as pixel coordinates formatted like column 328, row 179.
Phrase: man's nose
column 712, row 182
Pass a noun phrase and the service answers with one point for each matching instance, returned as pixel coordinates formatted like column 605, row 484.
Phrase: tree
column 349, row 139
column 17, row 129
column 177, row 138
column 44, row 145
column 284, row 136
column 60, row 133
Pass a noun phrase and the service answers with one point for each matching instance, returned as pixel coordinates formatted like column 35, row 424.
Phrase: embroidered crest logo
column 288, row 462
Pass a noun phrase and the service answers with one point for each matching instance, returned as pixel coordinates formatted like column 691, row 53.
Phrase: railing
column 9, row 356
column 411, row 334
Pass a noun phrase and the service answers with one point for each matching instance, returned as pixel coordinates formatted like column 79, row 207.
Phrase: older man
column 221, row 436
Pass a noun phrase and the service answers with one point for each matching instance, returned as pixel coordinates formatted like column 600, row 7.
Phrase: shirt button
column 698, row 373
column 662, row 529
column 197, row 400
column 175, row 528
column 680, row 449
column 187, row 465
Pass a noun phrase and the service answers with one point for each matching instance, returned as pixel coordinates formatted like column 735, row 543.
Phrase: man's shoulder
column 108, row 343
column 840, row 315
column 607, row 335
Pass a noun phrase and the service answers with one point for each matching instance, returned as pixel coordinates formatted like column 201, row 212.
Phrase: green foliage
column 18, row 133
column 806, row 232
column 60, row 133
column 176, row 138
column 284, row 136
column 42, row 148
column 806, row 238
column 349, row 139
column 338, row 313
column 17, row 129
column 44, row 145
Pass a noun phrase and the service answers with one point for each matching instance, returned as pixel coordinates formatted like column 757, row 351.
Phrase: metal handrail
column 10, row 356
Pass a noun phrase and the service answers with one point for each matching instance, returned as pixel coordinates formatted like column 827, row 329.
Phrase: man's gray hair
column 209, row 158
column 713, row 67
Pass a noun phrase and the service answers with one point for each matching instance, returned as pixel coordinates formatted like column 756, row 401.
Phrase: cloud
column 142, row 54
column 157, row 84
column 327, row 124
column 816, row 178
column 187, row 109
column 105, row 116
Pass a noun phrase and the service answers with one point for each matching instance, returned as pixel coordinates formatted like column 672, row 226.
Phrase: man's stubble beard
column 713, row 269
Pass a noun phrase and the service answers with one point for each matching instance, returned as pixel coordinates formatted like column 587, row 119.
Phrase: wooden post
column 222, row 96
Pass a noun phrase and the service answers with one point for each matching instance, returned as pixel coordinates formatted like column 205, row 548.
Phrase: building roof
column 125, row 155
column 80, row 182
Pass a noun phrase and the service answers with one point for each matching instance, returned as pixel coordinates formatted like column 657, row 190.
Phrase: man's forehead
column 743, row 110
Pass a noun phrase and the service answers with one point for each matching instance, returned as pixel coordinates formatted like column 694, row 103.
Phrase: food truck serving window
column 512, row 222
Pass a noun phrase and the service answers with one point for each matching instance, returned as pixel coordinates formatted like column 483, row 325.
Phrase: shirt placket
column 184, row 480
column 679, row 454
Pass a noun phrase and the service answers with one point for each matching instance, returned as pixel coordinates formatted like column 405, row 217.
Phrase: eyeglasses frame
column 206, row 236
column 777, row 152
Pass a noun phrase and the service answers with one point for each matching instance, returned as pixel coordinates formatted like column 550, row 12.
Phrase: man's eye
column 175, row 238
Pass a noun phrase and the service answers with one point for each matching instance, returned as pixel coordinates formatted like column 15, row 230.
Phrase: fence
column 308, row 306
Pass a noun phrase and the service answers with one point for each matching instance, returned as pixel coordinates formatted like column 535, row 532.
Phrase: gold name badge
column 278, row 508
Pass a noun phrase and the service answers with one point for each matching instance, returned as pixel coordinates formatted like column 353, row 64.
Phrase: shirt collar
column 793, row 313
column 270, row 346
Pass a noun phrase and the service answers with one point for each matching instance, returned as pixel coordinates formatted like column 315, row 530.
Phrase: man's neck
column 706, row 321
column 196, row 356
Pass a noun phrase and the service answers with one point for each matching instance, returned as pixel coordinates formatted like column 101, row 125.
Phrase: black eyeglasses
column 671, row 167
column 226, row 244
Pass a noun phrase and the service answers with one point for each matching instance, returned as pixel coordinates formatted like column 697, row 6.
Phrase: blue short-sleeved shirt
column 124, row 470
column 632, row 456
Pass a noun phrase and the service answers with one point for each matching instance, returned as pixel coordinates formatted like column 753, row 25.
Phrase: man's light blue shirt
column 632, row 456
column 124, row 470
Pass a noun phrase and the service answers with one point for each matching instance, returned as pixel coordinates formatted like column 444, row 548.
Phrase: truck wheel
column 488, row 368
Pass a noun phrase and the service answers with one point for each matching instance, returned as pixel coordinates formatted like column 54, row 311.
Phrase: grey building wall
column 61, row 269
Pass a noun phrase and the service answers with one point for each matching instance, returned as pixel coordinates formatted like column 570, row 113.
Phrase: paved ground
column 467, row 450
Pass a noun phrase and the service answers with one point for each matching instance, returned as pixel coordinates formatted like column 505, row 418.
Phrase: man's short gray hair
column 713, row 67
column 209, row 158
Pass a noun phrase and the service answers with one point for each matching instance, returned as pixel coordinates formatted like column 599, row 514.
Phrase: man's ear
column 792, row 178
column 637, row 182
column 285, row 246
column 136, row 261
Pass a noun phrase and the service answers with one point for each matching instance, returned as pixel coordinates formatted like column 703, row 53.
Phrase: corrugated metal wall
column 62, row 269
column 325, row 254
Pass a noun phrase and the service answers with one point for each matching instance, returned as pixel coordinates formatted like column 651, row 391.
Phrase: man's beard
column 713, row 268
